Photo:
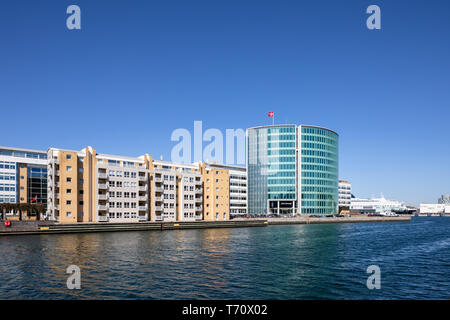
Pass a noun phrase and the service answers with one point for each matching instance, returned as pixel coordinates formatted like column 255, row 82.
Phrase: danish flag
column 270, row 114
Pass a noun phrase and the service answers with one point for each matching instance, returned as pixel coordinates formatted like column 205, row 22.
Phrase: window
column 69, row 179
column 68, row 156
column 69, row 191
column 68, row 202
column 68, row 168
column 68, row 214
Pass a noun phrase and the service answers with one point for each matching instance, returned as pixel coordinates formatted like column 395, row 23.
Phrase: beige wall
column 216, row 194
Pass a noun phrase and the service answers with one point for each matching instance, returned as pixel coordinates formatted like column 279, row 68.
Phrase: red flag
column 271, row 114
column 34, row 199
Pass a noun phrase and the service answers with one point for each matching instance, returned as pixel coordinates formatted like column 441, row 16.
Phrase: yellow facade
column 216, row 193
column 82, row 189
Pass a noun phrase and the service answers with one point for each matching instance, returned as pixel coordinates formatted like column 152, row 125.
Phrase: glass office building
column 292, row 170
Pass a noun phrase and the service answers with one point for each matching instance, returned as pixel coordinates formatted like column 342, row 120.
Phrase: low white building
column 434, row 208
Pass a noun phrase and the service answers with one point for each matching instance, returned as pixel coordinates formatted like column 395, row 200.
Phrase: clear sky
column 137, row 70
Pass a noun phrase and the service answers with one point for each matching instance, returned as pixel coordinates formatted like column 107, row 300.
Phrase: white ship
column 377, row 206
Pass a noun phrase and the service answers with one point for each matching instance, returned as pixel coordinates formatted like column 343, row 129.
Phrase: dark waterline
column 276, row 262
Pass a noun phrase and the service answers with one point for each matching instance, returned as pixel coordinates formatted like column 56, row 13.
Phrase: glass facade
column 271, row 169
column 292, row 169
column 319, row 171
column 37, row 185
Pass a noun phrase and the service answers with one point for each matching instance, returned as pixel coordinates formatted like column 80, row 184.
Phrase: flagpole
column 273, row 119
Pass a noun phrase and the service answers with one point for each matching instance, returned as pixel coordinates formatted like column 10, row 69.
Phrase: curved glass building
column 292, row 169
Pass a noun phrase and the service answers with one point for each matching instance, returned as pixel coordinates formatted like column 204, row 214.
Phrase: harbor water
column 276, row 262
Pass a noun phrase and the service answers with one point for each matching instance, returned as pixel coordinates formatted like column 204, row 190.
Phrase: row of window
column 125, row 174
column 118, row 194
column 313, row 174
column 280, row 137
column 122, row 215
column 329, row 141
column 7, row 187
column 319, row 131
column 7, row 176
column 319, row 182
column 320, row 146
column 126, row 205
column 22, row 154
column 120, row 184
column 319, row 161
column 281, row 130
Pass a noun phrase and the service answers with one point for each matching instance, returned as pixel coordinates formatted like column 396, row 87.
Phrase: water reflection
column 277, row 262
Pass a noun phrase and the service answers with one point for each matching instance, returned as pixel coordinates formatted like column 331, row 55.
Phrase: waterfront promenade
column 46, row 227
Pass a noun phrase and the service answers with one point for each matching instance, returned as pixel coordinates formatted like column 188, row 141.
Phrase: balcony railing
column 142, row 198
column 102, row 197
column 143, row 208
column 159, row 218
column 159, row 189
column 158, row 199
column 159, row 179
column 158, row 208
column 142, row 188
column 102, row 186
column 102, row 175
column 102, row 207
column 103, row 219
column 142, row 178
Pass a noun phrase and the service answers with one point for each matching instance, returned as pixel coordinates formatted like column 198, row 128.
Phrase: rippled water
column 276, row 262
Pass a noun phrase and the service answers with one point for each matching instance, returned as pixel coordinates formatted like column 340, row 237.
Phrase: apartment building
column 238, row 187
column 85, row 186
column 216, row 194
column 23, row 178
column 176, row 191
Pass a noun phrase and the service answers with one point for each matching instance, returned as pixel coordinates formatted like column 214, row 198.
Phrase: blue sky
column 144, row 68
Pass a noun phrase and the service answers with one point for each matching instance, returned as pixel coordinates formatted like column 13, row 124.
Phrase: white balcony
column 101, row 165
column 103, row 219
column 198, row 191
column 143, row 208
column 159, row 218
column 159, row 189
column 199, row 199
column 142, row 178
column 158, row 199
column 101, row 175
column 198, row 208
column 158, row 179
column 101, row 207
column 158, row 208
column 102, row 186
column 142, row 198
column 102, row 197
column 142, row 188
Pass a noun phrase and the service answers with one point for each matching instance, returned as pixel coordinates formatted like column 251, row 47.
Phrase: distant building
column 444, row 199
column 433, row 208
column 345, row 195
